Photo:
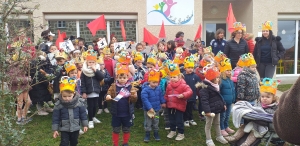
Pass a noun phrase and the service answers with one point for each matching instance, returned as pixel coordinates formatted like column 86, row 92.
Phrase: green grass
column 284, row 87
column 38, row 133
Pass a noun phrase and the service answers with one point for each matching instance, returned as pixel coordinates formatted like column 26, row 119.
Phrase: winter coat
column 250, row 44
column 139, row 73
column 227, row 90
column 247, row 85
column 198, row 71
column 59, row 71
column 277, row 51
column 236, row 72
column 163, row 85
column 211, row 99
column 68, row 116
column 170, row 53
column 270, row 108
column 113, row 91
column 152, row 98
column 145, row 79
column 233, row 50
column 191, row 80
column 217, row 45
column 91, row 84
column 179, row 87
column 105, row 83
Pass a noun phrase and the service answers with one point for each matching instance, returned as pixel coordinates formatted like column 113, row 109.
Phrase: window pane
column 86, row 33
column 286, row 30
column 16, row 25
column 130, row 28
column 70, row 28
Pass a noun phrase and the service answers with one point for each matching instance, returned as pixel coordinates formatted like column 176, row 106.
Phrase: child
column 268, row 101
column 247, row 83
column 108, row 61
column 58, row 72
column 90, row 48
column 122, row 105
column 153, row 100
column 191, row 79
column 79, row 63
column 212, row 103
column 160, row 47
column 69, row 113
column 139, row 75
column 239, row 68
column 104, row 84
column 151, row 64
column 249, row 38
column 51, row 54
column 171, row 49
column 227, row 91
column 163, row 85
column 90, row 87
column 177, row 94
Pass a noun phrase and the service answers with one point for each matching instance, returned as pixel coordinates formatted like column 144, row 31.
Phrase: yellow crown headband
column 207, row 49
column 225, row 65
column 67, row 83
column 269, row 85
column 69, row 66
column 239, row 26
column 220, row 56
column 267, row 25
column 208, row 66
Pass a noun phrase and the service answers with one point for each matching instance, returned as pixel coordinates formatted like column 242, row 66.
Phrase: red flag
column 162, row 33
column 199, row 33
column 60, row 38
column 230, row 19
column 149, row 38
column 123, row 30
column 97, row 24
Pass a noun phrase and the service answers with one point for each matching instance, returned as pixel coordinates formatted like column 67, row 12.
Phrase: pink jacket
column 236, row 72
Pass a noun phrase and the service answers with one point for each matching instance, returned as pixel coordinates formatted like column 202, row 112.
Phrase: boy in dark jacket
column 123, row 95
column 69, row 113
column 139, row 75
column 153, row 100
column 191, row 79
column 59, row 71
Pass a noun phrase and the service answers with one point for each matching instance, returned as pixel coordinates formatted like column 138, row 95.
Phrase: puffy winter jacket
column 152, row 98
column 250, row 45
column 107, row 81
column 236, row 72
column 211, row 99
column 217, row 45
column 247, row 85
column 191, row 80
column 59, row 71
column 234, row 50
column 91, row 84
column 227, row 90
column 179, row 87
column 277, row 51
column 69, row 116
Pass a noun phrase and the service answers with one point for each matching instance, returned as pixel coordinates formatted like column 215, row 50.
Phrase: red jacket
column 145, row 78
column 179, row 87
column 251, row 45
column 198, row 71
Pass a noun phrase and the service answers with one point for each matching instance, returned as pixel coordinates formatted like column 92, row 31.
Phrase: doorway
column 210, row 28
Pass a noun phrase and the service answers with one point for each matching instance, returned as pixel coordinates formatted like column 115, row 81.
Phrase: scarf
column 87, row 71
column 124, row 88
column 69, row 104
column 268, row 105
column 217, row 87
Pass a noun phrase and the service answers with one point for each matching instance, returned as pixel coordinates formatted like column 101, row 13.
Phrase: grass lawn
column 38, row 133
column 284, row 87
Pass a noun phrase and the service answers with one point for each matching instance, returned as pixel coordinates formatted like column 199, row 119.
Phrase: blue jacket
column 107, row 81
column 152, row 98
column 123, row 107
column 191, row 80
column 163, row 85
column 227, row 90
column 217, row 45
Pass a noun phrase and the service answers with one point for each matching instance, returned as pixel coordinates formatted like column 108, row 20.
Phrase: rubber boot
column 156, row 136
column 147, row 136
column 250, row 139
column 238, row 134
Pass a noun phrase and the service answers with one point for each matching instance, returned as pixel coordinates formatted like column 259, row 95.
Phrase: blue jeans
column 224, row 117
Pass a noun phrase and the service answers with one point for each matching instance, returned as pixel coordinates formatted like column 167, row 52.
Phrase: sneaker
column 192, row 122
column 91, row 125
column 202, row 118
column 179, row 136
column 48, row 109
column 81, row 132
column 28, row 112
column 186, row 124
column 106, row 110
column 20, row 122
column 210, row 142
column 167, row 126
column 26, row 120
column 230, row 131
column 99, row 111
column 42, row 113
column 133, row 116
column 171, row 134
column 224, row 133
column 222, row 140
column 95, row 120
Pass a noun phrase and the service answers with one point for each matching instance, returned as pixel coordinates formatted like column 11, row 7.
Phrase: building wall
column 117, row 7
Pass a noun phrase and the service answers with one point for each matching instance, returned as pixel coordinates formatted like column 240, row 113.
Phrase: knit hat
column 122, row 69
column 138, row 56
column 225, row 65
column 220, row 56
column 267, row 25
column 67, row 83
column 269, row 85
column 154, row 75
column 173, row 70
column 189, row 62
column 211, row 72
column 91, row 55
column 69, row 66
column 287, row 116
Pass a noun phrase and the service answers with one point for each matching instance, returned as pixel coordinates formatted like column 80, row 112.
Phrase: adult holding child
column 236, row 46
column 267, row 51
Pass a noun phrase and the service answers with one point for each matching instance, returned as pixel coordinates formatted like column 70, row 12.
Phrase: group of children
column 89, row 79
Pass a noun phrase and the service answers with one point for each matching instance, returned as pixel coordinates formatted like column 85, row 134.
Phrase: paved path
column 278, row 93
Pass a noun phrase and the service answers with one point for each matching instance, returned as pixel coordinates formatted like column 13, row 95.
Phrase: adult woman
column 218, row 44
column 48, row 38
column 267, row 51
column 237, row 46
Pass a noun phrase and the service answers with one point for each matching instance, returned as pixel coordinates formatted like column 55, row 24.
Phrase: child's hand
column 108, row 97
column 180, row 96
column 163, row 105
column 93, row 68
column 151, row 110
column 85, row 129
column 225, row 107
column 55, row 134
column 84, row 96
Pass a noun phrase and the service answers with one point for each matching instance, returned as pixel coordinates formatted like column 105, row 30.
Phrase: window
column 61, row 24
column 130, row 28
column 117, row 24
column 70, row 28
